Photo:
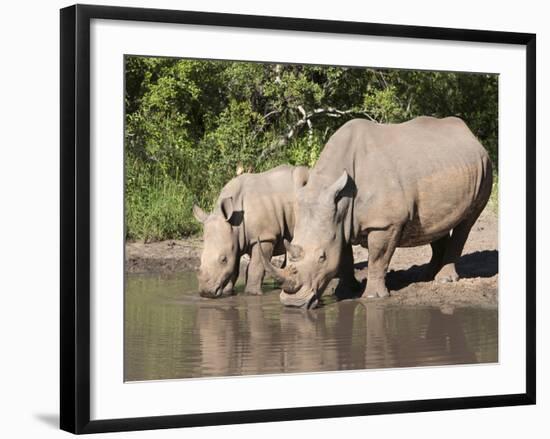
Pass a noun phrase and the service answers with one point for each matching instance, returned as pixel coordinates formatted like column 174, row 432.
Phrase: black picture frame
column 75, row 217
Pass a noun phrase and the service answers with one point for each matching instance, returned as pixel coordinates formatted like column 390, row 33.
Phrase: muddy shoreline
column 478, row 267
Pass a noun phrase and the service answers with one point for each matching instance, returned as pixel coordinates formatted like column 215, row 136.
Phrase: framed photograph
column 268, row 218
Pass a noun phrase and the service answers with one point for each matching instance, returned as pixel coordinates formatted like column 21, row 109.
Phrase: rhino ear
column 300, row 176
column 336, row 188
column 227, row 208
column 199, row 214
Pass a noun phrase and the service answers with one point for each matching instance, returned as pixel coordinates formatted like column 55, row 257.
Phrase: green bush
column 158, row 207
column 191, row 124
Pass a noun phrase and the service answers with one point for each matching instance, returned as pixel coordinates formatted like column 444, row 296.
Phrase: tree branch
column 293, row 130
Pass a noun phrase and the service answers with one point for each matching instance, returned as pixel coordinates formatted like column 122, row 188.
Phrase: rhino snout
column 207, row 287
column 291, row 283
column 210, row 292
column 305, row 298
column 291, row 286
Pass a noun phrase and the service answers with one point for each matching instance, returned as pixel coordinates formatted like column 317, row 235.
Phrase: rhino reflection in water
column 385, row 186
column 346, row 336
column 169, row 335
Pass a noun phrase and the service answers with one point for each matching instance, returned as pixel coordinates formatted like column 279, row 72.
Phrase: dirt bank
column 164, row 256
column 478, row 267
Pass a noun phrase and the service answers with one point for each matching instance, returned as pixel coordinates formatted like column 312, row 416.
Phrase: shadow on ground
column 477, row 264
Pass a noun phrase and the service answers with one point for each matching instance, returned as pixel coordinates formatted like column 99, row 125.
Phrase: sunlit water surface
column 171, row 332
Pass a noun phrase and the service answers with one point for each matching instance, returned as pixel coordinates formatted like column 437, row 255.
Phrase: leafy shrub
column 191, row 125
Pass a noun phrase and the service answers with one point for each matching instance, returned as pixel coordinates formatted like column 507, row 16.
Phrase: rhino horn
column 277, row 273
column 289, row 284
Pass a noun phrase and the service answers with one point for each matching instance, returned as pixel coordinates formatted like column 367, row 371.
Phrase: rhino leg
column 460, row 233
column 255, row 271
column 454, row 248
column 448, row 273
column 348, row 285
column 230, row 287
column 381, row 244
column 438, row 251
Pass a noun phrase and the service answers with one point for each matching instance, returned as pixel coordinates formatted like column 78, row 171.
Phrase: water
column 171, row 332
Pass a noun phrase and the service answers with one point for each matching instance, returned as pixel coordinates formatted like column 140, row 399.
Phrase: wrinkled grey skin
column 421, row 182
column 249, row 206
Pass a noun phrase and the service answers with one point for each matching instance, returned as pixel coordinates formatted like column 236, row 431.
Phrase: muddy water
column 171, row 332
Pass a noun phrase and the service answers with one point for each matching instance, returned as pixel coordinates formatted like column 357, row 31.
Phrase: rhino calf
column 420, row 182
column 249, row 206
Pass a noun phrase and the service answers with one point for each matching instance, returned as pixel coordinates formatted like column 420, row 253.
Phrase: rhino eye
column 322, row 257
column 223, row 259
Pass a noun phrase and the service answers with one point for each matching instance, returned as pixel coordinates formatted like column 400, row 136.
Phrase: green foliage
column 157, row 206
column 190, row 124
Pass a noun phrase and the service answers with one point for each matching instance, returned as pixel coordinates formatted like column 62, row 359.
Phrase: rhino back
column 267, row 200
column 427, row 172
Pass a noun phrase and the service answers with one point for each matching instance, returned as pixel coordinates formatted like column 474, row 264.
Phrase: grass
column 158, row 208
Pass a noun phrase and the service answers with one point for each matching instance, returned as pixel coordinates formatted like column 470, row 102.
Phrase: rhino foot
column 447, row 274
column 447, row 279
column 375, row 291
column 376, row 295
column 253, row 292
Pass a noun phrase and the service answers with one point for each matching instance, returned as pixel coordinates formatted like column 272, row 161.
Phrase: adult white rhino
column 420, row 182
